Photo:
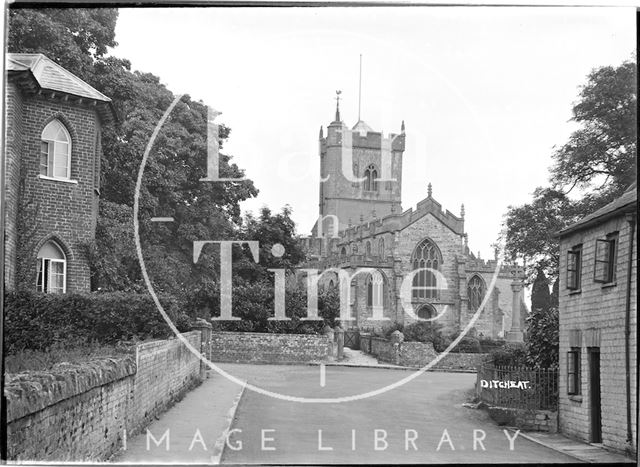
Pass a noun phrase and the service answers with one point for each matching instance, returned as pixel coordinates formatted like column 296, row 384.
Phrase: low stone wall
column 254, row 347
column 417, row 354
column 526, row 419
column 79, row 412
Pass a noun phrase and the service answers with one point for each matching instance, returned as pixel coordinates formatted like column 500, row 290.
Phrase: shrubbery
column 38, row 321
column 511, row 354
column 253, row 303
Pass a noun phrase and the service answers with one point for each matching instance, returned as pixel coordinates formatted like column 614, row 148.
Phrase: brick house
column 52, row 174
column 361, row 224
column 598, row 326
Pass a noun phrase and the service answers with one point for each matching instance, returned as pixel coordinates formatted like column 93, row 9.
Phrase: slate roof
column 51, row 76
column 625, row 203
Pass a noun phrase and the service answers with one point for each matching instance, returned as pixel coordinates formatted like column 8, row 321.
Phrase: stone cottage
column 598, row 326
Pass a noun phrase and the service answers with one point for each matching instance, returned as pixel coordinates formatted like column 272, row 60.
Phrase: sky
column 486, row 93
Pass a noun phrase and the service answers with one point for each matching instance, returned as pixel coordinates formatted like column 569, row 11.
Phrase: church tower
column 360, row 175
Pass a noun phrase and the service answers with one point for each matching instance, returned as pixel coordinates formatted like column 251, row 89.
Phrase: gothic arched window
column 426, row 255
column 476, row 290
column 426, row 311
column 376, row 289
column 371, row 178
column 381, row 247
column 343, row 252
column 55, row 151
column 52, row 269
column 368, row 248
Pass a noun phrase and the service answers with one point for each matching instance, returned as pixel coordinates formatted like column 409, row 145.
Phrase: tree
column 530, row 229
column 79, row 39
column 73, row 38
column 599, row 159
column 601, row 155
column 269, row 230
column 540, row 296
column 542, row 338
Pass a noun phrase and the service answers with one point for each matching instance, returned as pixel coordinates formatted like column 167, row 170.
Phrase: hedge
column 37, row 321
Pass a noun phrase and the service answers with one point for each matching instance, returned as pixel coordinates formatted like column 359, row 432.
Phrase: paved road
column 420, row 422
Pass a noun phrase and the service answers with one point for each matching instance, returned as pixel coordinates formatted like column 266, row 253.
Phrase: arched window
column 426, row 255
column 331, row 284
column 52, row 269
column 368, row 248
column 381, row 247
column 476, row 290
column 371, row 178
column 343, row 252
column 376, row 290
column 426, row 311
column 55, row 151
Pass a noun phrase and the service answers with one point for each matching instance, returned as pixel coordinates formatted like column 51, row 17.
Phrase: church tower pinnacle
column 360, row 172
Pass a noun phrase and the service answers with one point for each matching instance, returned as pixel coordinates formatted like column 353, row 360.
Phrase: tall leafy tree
column 79, row 39
column 593, row 167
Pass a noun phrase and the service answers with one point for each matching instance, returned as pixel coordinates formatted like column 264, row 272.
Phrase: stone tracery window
column 376, row 290
column 371, row 178
column 426, row 255
column 476, row 290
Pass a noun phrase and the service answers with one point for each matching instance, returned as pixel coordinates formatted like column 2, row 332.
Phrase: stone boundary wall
column 79, row 412
column 417, row 354
column 254, row 347
column 526, row 419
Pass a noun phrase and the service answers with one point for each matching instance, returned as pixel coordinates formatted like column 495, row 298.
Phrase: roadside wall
column 79, row 412
column 417, row 354
column 254, row 347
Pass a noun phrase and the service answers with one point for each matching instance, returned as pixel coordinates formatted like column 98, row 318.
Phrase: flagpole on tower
column 360, row 88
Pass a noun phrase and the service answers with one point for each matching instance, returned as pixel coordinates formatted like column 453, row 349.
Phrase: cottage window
column 573, row 371
column 605, row 267
column 55, row 151
column 52, row 269
column 426, row 256
column 574, row 266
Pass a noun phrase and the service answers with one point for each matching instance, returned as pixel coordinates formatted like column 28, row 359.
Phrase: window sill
column 65, row 180
column 575, row 292
column 609, row 284
column 575, row 398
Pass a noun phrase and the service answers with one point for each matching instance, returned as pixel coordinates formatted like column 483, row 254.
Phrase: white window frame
column 45, row 262
column 52, row 144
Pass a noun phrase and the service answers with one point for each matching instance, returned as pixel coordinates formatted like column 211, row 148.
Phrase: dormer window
column 371, row 178
column 55, row 151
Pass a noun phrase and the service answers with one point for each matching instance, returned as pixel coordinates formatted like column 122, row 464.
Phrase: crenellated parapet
column 365, row 139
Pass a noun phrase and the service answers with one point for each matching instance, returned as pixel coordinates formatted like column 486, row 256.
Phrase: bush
column 468, row 345
column 253, row 303
column 426, row 331
column 511, row 354
column 488, row 344
column 38, row 321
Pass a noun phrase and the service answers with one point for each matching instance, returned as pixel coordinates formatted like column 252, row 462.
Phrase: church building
column 361, row 224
